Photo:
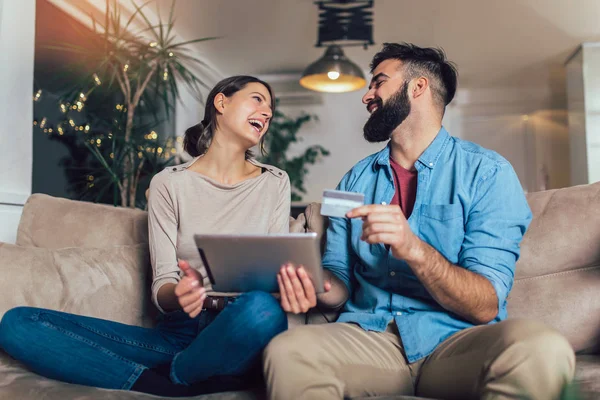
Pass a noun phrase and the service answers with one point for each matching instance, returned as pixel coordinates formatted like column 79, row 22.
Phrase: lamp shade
column 333, row 73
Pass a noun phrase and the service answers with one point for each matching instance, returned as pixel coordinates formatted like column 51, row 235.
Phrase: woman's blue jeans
column 95, row 352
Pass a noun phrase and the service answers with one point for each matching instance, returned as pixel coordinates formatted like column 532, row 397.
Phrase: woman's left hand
column 298, row 294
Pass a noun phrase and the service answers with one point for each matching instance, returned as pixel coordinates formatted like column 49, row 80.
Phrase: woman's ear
column 219, row 102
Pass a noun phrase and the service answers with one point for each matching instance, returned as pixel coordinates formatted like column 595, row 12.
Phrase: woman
column 201, row 343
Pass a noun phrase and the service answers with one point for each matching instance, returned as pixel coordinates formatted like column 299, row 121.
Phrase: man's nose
column 369, row 96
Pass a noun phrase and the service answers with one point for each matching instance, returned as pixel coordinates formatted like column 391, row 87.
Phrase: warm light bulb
column 333, row 75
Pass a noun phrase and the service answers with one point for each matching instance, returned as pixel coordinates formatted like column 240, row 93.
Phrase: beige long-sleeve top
column 182, row 203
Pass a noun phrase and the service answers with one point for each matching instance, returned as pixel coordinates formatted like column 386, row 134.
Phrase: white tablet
column 242, row 263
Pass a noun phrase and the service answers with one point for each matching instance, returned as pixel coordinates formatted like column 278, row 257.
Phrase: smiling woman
column 223, row 190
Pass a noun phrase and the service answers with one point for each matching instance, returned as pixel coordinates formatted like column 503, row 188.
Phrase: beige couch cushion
column 558, row 274
column 52, row 222
column 110, row 283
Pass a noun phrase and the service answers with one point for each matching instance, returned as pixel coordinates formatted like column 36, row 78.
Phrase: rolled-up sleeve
column 496, row 223
column 162, row 232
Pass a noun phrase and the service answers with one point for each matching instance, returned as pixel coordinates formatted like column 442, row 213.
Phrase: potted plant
column 138, row 74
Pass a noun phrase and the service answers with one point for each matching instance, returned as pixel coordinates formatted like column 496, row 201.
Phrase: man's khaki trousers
column 513, row 359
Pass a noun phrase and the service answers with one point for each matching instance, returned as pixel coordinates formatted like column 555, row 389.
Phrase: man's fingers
column 363, row 211
column 327, row 286
column 380, row 227
column 388, row 217
column 384, row 238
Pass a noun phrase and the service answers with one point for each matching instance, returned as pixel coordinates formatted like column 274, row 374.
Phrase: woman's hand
column 189, row 291
column 298, row 294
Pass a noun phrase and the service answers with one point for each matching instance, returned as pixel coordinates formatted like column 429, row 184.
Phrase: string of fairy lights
column 169, row 149
column 170, row 146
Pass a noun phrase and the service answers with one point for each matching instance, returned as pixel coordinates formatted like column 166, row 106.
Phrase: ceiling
column 516, row 43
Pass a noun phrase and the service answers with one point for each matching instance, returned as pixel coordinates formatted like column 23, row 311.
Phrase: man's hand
column 386, row 224
column 189, row 291
column 298, row 294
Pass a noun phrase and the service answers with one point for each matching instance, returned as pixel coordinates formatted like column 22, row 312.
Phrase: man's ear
column 420, row 86
column 219, row 102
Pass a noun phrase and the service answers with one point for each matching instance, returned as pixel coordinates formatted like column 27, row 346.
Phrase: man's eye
column 378, row 83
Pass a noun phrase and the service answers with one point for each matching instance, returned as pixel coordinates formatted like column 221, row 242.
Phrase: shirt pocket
column 442, row 226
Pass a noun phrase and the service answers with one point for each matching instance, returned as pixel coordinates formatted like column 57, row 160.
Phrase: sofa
column 93, row 259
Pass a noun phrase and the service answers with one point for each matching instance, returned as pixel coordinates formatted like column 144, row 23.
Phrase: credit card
column 337, row 203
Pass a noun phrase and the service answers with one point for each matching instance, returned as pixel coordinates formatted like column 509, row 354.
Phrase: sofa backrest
column 558, row 274
column 53, row 222
column 97, row 247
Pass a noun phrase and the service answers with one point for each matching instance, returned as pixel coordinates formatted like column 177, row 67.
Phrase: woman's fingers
column 309, row 292
column 187, row 285
column 297, row 290
column 289, row 290
column 285, row 303
column 195, row 306
column 189, row 271
column 187, row 293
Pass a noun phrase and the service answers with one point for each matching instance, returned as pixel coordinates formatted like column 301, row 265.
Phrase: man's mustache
column 374, row 102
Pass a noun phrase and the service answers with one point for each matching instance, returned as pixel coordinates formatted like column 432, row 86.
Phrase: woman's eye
column 257, row 98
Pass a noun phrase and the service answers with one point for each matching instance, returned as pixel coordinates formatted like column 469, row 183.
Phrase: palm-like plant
column 283, row 132
column 146, row 67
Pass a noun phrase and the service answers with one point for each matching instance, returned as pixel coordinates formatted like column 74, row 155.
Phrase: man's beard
column 388, row 116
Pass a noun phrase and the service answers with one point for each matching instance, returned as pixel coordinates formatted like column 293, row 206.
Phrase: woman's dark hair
column 425, row 61
column 198, row 137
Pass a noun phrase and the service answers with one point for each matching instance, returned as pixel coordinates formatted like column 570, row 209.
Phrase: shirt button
column 398, row 313
column 392, row 273
column 431, row 164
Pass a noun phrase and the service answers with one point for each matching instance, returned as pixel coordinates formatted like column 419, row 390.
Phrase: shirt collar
column 429, row 157
column 433, row 152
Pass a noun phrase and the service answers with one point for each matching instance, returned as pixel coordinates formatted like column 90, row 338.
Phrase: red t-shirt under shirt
column 405, row 182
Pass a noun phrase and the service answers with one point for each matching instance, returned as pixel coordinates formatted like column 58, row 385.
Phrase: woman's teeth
column 258, row 125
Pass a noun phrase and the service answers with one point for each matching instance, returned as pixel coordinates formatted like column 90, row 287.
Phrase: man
column 424, row 270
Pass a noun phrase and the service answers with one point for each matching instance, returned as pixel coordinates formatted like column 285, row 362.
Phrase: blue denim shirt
column 469, row 206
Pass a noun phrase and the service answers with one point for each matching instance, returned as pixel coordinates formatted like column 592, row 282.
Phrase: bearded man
column 422, row 272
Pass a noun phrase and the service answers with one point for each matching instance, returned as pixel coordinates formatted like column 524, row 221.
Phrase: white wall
column 591, row 67
column 17, row 37
column 339, row 129
column 517, row 123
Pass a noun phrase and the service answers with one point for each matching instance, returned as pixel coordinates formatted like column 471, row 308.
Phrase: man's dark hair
column 423, row 61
